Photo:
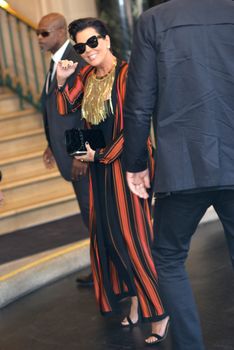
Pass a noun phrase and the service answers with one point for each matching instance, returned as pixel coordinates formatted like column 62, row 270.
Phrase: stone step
column 28, row 179
column 22, row 170
column 16, row 114
column 9, row 102
column 22, row 156
column 17, row 145
column 32, row 192
column 25, row 275
column 18, row 122
column 44, row 210
column 19, row 135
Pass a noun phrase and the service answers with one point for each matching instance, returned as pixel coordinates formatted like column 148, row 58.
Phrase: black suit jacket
column 182, row 71
column 55, row 124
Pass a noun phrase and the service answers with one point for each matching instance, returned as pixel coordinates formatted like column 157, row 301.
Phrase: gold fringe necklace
column 97, row 103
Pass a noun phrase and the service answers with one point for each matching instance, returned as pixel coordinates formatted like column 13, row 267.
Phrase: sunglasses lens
column 80, row 48
column 43, row 34
column 92, row 42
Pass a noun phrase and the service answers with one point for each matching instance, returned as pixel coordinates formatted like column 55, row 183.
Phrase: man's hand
column 78, row 169
column 48, row 158
column 65, row 68
column 139, row 183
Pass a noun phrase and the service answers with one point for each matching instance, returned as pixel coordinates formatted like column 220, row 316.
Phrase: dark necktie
column 50, row 72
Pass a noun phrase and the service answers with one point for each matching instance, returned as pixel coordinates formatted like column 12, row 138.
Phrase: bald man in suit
column 53, row 37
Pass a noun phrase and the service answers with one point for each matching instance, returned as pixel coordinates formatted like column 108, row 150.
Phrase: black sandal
column 159, row 337
column 130, row 323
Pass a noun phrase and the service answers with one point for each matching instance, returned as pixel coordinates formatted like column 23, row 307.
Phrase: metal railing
column 22, row 64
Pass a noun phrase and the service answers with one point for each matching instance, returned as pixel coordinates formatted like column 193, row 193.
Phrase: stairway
column 32, row 193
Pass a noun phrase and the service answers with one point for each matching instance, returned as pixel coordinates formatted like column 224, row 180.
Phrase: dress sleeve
column 110, row 153
column 69, row 99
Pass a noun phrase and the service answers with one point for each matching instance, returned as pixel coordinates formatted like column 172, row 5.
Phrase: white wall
column 71, row 9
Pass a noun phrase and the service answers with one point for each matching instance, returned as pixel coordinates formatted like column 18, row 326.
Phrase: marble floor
column 61, row 316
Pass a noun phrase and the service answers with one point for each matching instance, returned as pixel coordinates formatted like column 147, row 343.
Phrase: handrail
column 22, row 64
column 4, row 5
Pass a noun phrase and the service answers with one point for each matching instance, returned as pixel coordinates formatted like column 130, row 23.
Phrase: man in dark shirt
column 182, row 72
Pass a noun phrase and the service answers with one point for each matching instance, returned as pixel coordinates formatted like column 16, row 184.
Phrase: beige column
column 71, row 9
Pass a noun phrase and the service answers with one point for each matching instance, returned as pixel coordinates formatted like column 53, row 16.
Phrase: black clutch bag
column 75, row 140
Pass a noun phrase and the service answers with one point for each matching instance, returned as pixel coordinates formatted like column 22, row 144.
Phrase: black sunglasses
column 91, row 42
column 43, row 33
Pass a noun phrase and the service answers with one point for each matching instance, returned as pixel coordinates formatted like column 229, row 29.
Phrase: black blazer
column 55, row 124
column 182, row 71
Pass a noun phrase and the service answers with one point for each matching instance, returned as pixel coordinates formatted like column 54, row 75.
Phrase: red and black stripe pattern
column 120, row 222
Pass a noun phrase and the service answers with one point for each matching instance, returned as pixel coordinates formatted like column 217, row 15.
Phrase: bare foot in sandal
column 132, row 319
column 159, row 331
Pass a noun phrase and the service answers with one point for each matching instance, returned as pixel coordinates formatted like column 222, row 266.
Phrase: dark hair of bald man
column 52, row 32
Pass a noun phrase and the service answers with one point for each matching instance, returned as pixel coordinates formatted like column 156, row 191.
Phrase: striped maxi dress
column 120, row 222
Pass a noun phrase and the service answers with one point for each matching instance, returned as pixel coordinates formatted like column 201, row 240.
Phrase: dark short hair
column 79, row 25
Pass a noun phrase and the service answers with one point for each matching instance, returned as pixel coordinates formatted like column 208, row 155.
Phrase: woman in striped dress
column 120, row 222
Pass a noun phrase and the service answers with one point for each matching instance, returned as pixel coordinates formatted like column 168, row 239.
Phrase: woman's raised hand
column 65, row 68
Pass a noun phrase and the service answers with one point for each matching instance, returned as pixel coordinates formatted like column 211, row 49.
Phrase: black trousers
column 176, row 218
column 81, row 189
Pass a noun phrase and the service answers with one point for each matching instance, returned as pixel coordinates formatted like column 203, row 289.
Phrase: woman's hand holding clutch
column 89, row 156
